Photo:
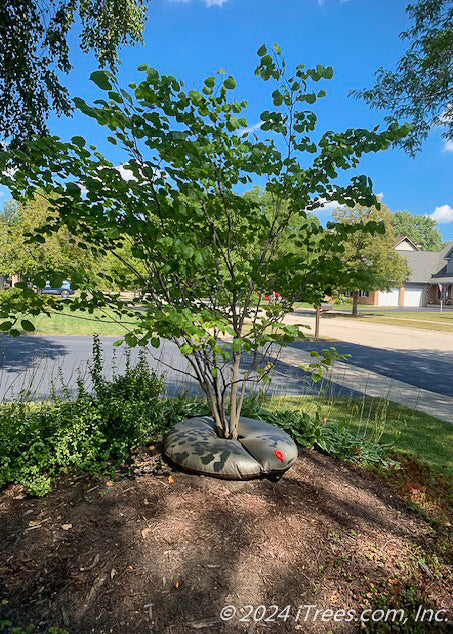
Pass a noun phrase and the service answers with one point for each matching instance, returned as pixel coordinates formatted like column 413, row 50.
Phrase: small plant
column 316, row 431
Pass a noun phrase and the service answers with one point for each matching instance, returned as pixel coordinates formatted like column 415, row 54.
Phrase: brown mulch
column 164, row 553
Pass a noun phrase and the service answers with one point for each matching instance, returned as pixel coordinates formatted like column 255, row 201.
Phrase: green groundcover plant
column 206, row 254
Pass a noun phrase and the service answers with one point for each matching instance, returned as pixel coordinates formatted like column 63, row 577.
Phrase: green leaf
column 6, row 325
column 262, row 50
column 185, row 348
column 131, row 340
column 229, row 83
column 142, row 67
column 27, row 325
column 155, row 342
column 79, row 141
column 277, row 49
column 101, row 79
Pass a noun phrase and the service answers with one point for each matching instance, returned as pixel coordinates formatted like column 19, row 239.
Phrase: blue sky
column 192, row 38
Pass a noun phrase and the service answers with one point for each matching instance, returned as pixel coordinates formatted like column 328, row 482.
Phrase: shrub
column 92, row 433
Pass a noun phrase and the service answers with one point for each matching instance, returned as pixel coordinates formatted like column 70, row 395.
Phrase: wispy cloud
column 251, row 128
column 448, row 146
column 442, row 214
column 207, row 3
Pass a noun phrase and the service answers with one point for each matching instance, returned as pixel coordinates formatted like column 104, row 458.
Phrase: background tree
column 210, row 253
column 374, row 258
column 420, row 90
column 34, row 51
column 44, row 259
column 420, row 229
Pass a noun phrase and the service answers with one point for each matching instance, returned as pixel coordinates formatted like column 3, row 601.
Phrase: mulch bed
column 162, row 551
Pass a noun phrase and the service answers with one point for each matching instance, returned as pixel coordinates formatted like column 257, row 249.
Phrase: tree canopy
column 41, row 260
column 420, row 89
column 374, row 257
column 34, row 52
column 420, row 229
column 209, row 252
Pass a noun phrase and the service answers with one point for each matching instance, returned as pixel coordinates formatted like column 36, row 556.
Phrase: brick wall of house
column 371, row 300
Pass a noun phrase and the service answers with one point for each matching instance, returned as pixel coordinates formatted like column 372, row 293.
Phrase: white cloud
column 448, row 146
column 126, row 175
column 326, row 206
column 9, row 173
column 251, row 128
column 442, row 214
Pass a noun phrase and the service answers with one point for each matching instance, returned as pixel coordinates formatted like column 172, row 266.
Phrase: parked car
column 64, row 290
column 273, row 297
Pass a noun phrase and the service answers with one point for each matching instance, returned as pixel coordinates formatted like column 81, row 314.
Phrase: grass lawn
column 100, row 322
column 427, row 321
column 424, row 437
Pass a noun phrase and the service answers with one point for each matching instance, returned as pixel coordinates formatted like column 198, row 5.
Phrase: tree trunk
column 355, row 302
column 234, row 417
column 318, row 315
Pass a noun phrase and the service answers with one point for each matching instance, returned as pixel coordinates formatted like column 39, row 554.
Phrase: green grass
column 101, row 322
column 424, row 437
column 444, row 316
column 406, row 320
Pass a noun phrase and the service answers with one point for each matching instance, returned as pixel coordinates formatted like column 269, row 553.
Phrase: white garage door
column 413, row 295
column 389, row 298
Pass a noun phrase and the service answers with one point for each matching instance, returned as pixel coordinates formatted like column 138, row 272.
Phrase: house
column 430, row 278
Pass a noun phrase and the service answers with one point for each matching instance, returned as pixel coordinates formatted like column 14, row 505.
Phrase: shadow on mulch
column 164, row 554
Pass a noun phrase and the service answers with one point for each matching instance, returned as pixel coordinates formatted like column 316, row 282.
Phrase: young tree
column 34, row 48
column 420, row 90
column 420, row 229
column 374, row 258
column 209, row 252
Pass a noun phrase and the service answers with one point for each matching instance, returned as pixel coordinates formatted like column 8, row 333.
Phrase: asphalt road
column 430, row 370
column 35, row 367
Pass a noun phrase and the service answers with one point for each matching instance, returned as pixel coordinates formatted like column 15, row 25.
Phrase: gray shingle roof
column 429, row 266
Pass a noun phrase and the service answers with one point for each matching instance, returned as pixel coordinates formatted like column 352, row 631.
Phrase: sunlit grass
column 425, row 437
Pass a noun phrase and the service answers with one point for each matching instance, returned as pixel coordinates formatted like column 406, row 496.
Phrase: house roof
column 400, row 239
column 429, row 266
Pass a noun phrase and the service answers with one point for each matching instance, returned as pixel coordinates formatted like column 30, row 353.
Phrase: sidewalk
column 378, row 335
column 373, row 384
